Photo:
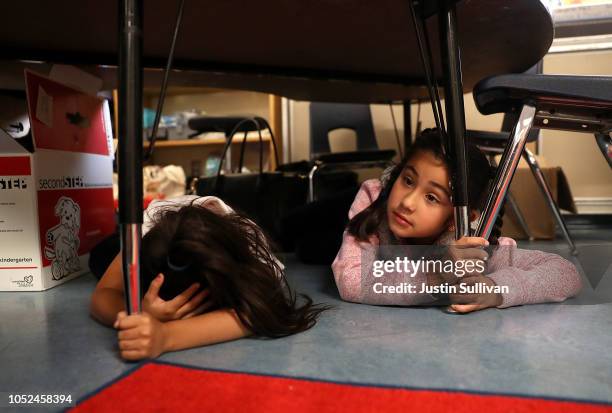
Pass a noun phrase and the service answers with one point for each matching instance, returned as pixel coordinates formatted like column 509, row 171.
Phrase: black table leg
column 455, row 116
column 130, row 147
column 407, row 125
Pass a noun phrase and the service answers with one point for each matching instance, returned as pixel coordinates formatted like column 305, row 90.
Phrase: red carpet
column 167, row 388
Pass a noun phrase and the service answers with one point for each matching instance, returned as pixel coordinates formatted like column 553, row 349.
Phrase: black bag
column 264, row 197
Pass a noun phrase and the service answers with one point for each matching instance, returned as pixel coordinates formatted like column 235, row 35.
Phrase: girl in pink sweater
column 411, row 206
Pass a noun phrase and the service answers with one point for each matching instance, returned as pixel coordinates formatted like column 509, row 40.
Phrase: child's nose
column 409, row 202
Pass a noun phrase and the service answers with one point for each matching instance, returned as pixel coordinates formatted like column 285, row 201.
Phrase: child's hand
column 184, row 305
column 140, row 336
column 466, row 248
column 469, row 249
column 468, row 302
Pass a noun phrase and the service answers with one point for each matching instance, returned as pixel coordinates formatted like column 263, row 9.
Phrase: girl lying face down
column 208, row 275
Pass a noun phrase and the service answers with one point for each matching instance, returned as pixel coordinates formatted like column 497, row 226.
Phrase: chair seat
column 356, row 156
column 505, row 93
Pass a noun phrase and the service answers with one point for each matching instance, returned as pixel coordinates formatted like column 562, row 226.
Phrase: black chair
column 493, row 143
column 574, row 103
column 326, row 117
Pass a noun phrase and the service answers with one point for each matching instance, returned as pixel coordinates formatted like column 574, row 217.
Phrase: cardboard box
column 56, row 202
column 532, row 204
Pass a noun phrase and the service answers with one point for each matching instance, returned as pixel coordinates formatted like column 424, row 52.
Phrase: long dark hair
column 368, row 221
column 229, row 255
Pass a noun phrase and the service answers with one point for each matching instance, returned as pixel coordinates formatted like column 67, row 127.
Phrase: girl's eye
column 432, row 198
column 408, row 180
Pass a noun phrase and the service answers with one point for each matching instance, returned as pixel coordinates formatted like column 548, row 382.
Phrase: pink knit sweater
column 531, row 276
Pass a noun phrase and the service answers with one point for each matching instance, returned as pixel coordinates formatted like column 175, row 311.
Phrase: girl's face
column 419, row 205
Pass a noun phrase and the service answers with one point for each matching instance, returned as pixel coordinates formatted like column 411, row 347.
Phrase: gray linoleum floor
column 48, row 343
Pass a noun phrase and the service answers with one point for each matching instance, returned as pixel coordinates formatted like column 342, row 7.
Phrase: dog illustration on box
column 64, row 239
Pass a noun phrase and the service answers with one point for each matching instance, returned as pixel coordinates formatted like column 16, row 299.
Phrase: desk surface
column 291, row 48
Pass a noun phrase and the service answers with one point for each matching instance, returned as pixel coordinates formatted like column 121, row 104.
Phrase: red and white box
column 56, row 203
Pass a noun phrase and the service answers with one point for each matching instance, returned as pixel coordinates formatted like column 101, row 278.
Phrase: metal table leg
column 455, row 115
column 130, row 147
column 406, row 106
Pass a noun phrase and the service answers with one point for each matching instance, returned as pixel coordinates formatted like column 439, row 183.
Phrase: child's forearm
column 208, row 328
column 106, row 303
column 532, row 277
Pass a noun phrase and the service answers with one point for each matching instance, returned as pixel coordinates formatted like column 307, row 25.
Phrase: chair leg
column 539, row 177
column 505, row 171
column 311, row 174
column 515, row 209
column 604, row 141
column 519, row 216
